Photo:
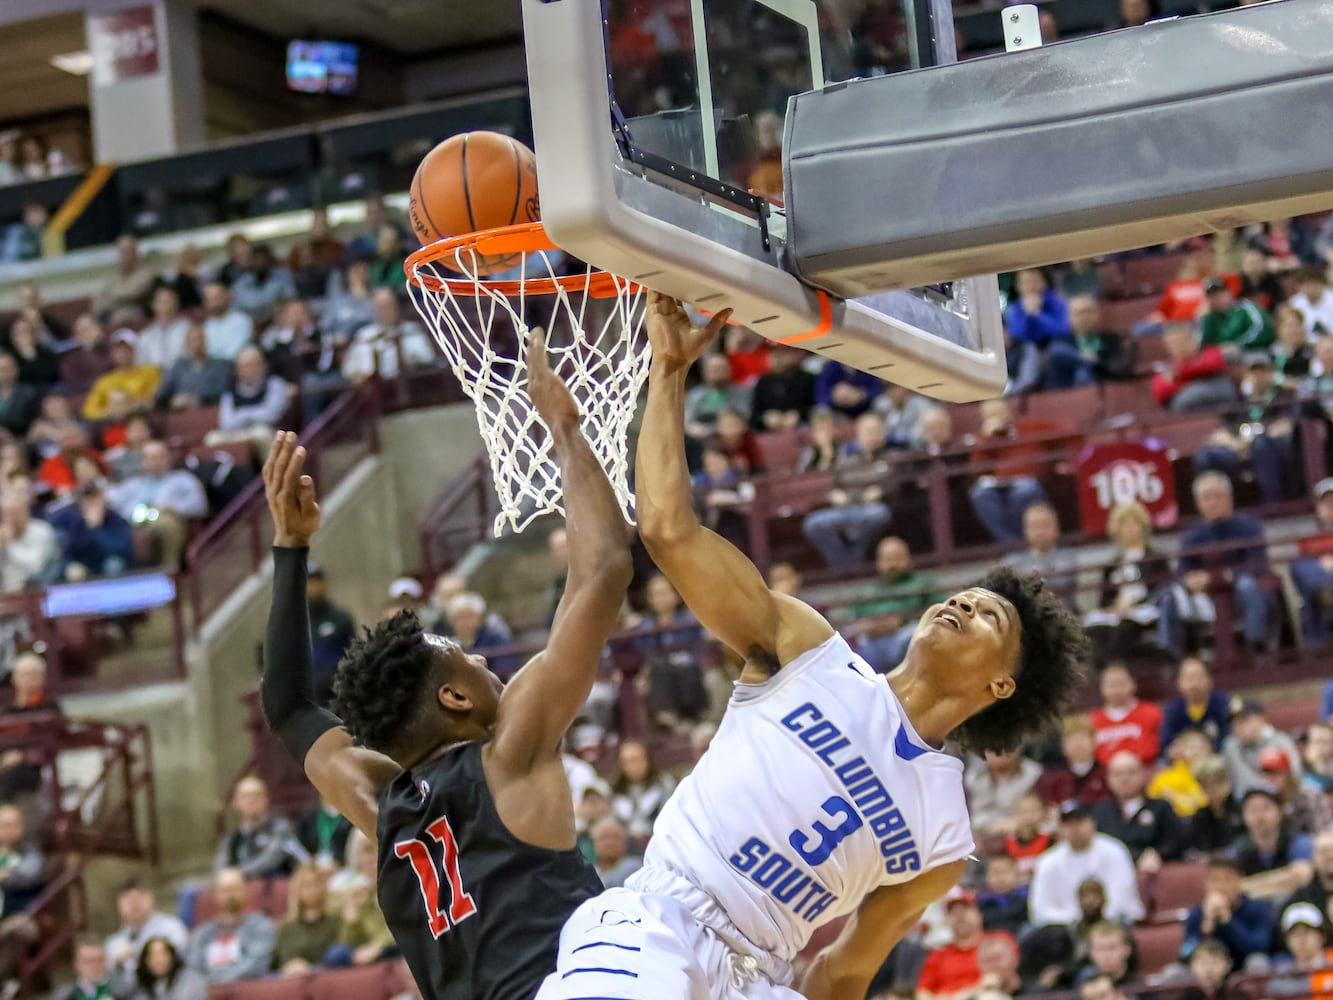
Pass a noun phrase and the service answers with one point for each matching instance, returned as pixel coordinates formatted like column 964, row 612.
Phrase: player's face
column 973, row 636
column 481, row 684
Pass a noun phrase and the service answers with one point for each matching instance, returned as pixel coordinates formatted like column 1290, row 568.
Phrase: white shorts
column 628, row 945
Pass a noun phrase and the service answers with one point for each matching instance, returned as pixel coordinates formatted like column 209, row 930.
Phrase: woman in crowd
column 1318, row 757
column 162, row 974
column 640, row 790
column 310, row 930
column 1134, row 587
column 822, row 451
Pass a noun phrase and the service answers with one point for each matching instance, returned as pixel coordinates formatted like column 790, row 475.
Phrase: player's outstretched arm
column 846, row 967
column 349, row 777
column 717, row 581
column 542, row 700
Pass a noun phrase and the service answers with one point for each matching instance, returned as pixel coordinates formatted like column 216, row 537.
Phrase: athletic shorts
column 629, row 945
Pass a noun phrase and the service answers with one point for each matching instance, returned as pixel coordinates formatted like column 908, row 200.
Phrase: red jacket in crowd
column 1136, row 729
column 1206, row 364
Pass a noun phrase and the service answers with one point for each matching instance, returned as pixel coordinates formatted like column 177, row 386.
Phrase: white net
column 596, row 345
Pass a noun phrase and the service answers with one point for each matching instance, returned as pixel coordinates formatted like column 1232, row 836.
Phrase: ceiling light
column 75, row 63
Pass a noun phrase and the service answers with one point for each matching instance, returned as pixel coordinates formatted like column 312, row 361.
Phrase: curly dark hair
column 377, row 691
column 1049, row 672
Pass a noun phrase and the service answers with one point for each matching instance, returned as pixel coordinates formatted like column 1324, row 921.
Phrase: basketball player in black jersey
column 457, row 777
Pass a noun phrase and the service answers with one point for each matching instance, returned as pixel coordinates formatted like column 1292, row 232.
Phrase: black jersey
column 475, row 911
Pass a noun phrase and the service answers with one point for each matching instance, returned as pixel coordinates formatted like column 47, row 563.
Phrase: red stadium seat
column 1179, row 886
column 1152, row 348
column 1149, row 275
column 273, row 988
column 1081, row 405
column 1159, row 945
column 1133, row 396
column 1290, row 716
column 369, row 983
column 1123, row 314
column 780, row 449
column 190, row 427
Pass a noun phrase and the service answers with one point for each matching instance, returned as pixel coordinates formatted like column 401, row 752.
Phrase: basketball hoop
column 594, row 325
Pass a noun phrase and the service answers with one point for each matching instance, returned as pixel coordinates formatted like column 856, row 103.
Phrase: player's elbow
column 660, row 529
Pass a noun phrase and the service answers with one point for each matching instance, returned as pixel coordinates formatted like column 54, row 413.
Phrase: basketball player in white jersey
column 825, row 792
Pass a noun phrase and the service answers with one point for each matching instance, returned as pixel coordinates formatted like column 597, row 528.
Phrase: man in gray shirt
column 140, row 921
column 236, row 944
column 1041, row 532
column 610, row 843
column 160, row 501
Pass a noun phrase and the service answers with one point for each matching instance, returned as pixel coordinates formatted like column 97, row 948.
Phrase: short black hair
column 1053, row 649
column 377, row 691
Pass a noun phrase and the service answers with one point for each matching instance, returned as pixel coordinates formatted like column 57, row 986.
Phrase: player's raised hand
column 676, row 341
column 290, row 493
column 555, row 404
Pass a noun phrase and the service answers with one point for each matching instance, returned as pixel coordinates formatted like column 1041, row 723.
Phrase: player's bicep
column 349, row 777
column 727, row 593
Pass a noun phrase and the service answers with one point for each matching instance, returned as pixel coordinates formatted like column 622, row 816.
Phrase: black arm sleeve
column 287, row 689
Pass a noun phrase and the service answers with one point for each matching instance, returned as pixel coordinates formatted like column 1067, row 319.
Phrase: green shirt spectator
column 1232, row 321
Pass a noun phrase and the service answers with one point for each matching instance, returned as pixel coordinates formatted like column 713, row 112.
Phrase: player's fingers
column 295, row 467
column 716, row 324
column 306, row 491
column 277, row 460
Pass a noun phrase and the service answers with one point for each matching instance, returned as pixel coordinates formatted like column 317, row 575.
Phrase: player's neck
column 932, row 714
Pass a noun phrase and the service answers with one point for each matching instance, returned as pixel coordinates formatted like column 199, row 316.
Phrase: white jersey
column 815, row 791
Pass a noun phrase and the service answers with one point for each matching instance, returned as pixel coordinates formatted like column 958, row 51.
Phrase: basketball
column 473, row 182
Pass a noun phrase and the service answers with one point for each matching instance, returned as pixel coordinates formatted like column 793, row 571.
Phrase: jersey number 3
column 418, row 855
column 816, row 847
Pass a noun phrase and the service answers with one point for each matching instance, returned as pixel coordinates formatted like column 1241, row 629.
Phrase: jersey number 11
column 418, row 855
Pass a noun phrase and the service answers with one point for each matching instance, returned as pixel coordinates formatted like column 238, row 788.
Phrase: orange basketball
column 472, row 182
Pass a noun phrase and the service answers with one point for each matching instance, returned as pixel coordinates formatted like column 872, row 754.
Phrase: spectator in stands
column 936, row 434
column 380, row 346
column 1209, row 966
column 38, row 364
column 1183, row 299
column 747, row 352
column 161, row 974
column 1176, row 783
column 1275, row 861
column 18, row 402
column 1318, row 757
column 51, row 330
column 226, row 328
column 1001, row 495
column 1320, row 886
column 127, row 384
column 29, row 552
column 1192, row 378
column 162, row 342
column 901, row 410
column 58, row 471
column 140, row 922
column 821, row 453
column 1304, row 932
column 1036, row 314
column 1260, row 431
column 1232, row 323
column 260, row 845
column 1228, row 915
column 323, row 833
column 857, row 513
column 1083, row 778
column 1312, row 570
column 1240, row 565
column 188, row 276
column 237, row 944
column 159, row 503
column 92, row 979
column 467, row 615
column 1083, row 853
column 1148, row 827
column 1124, row 722
column 885, row 615
column 997, row 960
column 1314, row 301
column 995, row 783
column 22, row 867
column 125, row 460
column 1258, row 283
column 1318, row 385
column 258, row 290
column 365, row 937
column 1102, row 351
column 785, row 394
column 123, row 297
column 953, row 968
column 299, row 351
column 23, row 240
column 739, row 442
column 1197, row 706
column 89, row 358
column 846, row 391
column 1110, row 955
column 1306, row 809
column 1102, row 987
column 712, row 395
column 95, row 541
column 614, row 862
column 310, row 930
column 386, row 270
column 640, row 790
column 253, row 404
column 194, row 379
column 1043, row 556
column 349, row 302
column 1135, row 588
column 1251, row 735
column 1219, row 823
column 1004, row 899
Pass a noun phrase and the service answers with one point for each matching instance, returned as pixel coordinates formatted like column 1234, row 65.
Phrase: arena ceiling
column 412, row 27
column 29, row 84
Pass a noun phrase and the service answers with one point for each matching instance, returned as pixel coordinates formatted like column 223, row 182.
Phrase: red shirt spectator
column 58, row 470
column 741, row 446
column 748, row 354
column 1083, row 778
column 1187, row 363
column 1123, row 722
column 954, row 967
column 1183, row 298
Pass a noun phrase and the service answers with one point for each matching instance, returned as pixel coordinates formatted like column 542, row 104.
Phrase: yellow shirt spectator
column 1178, row 786
column 130, row 384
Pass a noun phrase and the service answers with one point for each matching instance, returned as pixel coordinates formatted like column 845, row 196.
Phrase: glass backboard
column 659, row 130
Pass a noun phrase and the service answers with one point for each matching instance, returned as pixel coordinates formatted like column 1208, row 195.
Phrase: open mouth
column 950, row 618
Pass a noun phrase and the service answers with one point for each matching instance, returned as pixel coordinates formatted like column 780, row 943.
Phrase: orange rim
column 528, row 237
